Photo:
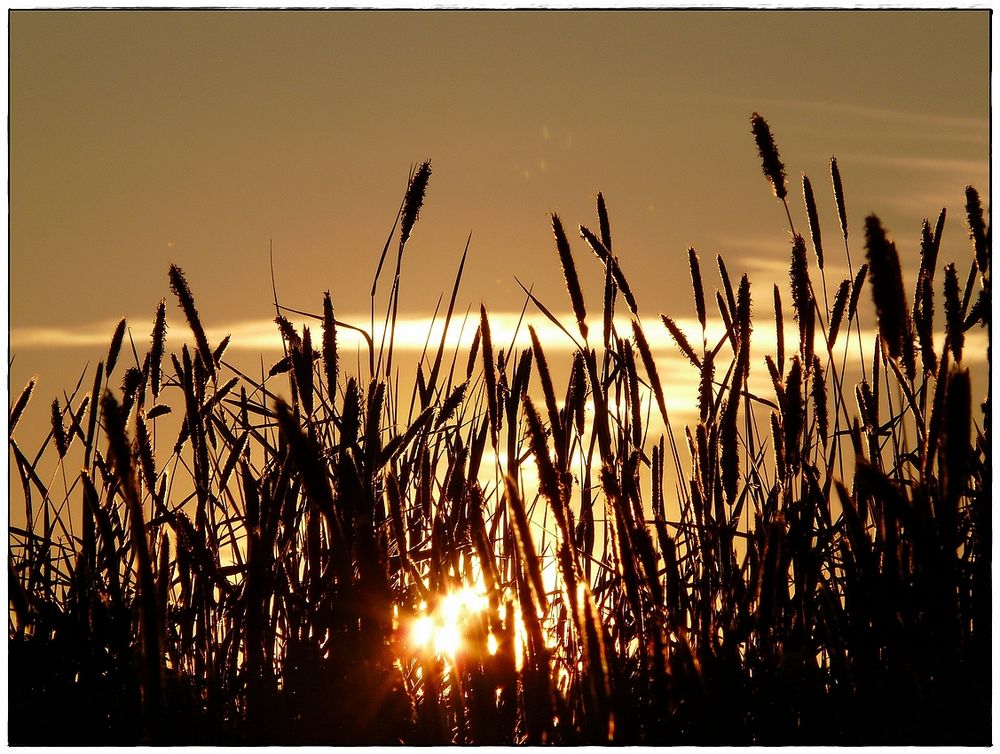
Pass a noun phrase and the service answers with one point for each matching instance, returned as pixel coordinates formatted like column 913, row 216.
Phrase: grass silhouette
column 360, row 566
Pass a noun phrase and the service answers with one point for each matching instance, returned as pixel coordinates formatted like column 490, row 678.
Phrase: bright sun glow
column 422, row 631
column 447, row 639
column 441, row 629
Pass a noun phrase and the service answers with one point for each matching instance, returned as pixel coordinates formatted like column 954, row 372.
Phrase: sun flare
column 441, row 630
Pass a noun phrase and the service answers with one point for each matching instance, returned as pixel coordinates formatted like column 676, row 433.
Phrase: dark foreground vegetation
column 363, row 566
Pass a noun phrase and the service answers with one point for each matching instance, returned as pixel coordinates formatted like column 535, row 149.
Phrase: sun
column 441, row 630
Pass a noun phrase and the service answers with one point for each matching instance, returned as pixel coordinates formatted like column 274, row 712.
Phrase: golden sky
column 140, row 139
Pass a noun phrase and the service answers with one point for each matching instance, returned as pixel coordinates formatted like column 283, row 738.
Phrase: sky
column 205, row 139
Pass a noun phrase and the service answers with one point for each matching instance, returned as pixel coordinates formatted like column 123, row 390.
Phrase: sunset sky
column 140, row 139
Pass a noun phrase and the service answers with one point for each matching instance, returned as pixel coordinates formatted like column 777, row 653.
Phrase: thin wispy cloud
column 413, row 334
column 772, row 258
column 926, row 125
column 925, row 164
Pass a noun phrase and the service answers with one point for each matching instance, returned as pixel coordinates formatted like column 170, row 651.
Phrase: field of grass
column 495, row 558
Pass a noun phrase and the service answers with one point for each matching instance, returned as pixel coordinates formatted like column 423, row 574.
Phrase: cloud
column 927, row 164
column 944, row 127
column 771, row 257
column 413, row 334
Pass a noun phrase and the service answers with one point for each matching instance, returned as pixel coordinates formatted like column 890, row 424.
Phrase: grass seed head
column 802, row 298
column 977, row 228
column 156, row 350
column 730, row 458
column 837, row 313
column 602, row 219
column 726, row 283
column 813, row 215
column 923, row 317
column 774, row 170
column 698, row 288
column 856, row 287
column 569, row 272
column 743, row 320
column 20, row 404
column 818, row 386
column 887, row 286
column 329, row 346
column 489, row 373
column 58, row 432
column 928, row 251
column 179, row 285
column 706, row 395
column 793, row 413
column 681, row 340
column 288, row 333
column 414, row 201
column 779, row 329
column 838, row 195
column 116, row 344
column 953, row 312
